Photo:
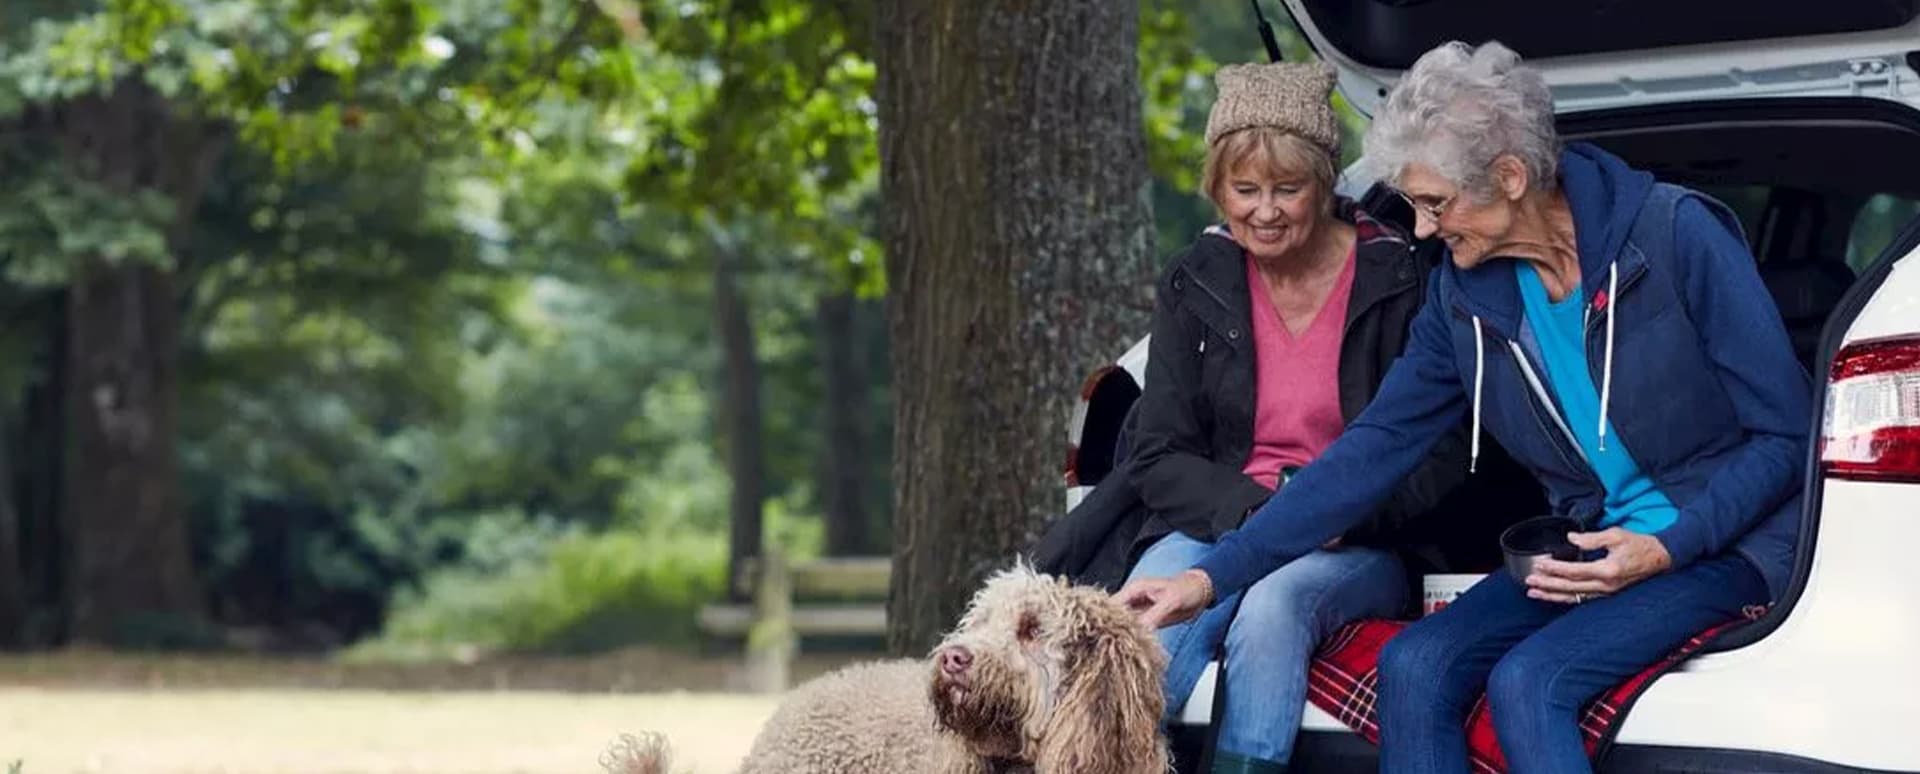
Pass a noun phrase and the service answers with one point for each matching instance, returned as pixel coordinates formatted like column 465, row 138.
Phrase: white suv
column 1804, row 117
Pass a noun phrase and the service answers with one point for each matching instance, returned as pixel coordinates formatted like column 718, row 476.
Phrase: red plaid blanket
column 1343, row 675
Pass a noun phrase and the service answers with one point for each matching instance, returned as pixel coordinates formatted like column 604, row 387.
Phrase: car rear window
column 1875, row 226
column 1748, row 202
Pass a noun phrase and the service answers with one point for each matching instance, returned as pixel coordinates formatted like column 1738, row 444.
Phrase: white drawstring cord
column 1606, row 371
column 1479, row 379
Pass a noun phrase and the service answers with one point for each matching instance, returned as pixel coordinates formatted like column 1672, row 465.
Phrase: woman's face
column 1272, row 214
column 1470, row 229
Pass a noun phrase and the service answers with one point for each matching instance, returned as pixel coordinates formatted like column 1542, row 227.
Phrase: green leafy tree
column 118, row 114
column 762, row 139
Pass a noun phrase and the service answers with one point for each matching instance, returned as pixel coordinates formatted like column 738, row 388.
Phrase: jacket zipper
column 1540, row 402
column 1592, row 323
column 1596, row 367
column 1534, row 406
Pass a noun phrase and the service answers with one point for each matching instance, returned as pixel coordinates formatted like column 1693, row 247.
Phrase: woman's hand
column 1167, row 601
column 1631, row 558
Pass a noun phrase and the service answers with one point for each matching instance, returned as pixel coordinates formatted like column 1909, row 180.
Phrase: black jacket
column 1192, row 430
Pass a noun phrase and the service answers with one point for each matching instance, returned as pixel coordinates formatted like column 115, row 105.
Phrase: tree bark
column 1018, row 240
column 739, row 416
column 128, row 551
column 13, row 577
column 42, row 482
column 848, row 406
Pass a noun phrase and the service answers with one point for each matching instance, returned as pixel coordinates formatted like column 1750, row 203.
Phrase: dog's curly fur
column 1058, row 679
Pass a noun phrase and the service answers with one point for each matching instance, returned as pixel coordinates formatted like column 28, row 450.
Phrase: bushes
column 585, row 592
column 530, row 585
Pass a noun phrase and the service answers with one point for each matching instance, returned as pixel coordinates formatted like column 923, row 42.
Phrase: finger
column 1159, row 615
column 1607, row 569
column 1143, row 609
column 1557, row 585
column 1561, row 598
column 1602, row 539
column 1135, row 594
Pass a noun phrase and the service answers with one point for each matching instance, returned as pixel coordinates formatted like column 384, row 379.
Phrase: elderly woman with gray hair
column 1612, row 333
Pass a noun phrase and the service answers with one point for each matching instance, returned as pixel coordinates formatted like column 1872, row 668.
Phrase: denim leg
column 1282, row 619
column 1538, row 689
column 1431, row 673
column 1189, row 645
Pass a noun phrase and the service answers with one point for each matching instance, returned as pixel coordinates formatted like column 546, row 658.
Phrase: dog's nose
column 955, row 659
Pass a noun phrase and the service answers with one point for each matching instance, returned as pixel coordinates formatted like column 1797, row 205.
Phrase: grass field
column 64, row 731
column 109, row 714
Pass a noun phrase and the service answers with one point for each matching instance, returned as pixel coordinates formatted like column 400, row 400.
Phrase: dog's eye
column 1029, row 627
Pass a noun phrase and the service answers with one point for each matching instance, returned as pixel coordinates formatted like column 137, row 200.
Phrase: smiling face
column 1274, row 189
column 1473, row 225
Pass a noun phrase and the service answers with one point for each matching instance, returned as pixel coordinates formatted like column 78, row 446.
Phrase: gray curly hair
column 1461, row 107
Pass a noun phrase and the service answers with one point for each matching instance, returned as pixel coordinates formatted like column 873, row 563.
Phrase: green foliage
column 581, row 593
column 333, row 311
column 292, row 80
column 446, row 339
column 1181, row 45
column 764, row 110
column 542, row 586
column 1177, row 86
column 51, row 217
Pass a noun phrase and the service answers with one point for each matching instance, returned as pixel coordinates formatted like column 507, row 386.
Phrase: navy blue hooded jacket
column 1705, row 388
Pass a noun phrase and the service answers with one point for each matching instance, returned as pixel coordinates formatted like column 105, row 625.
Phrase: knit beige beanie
column 1288, row 96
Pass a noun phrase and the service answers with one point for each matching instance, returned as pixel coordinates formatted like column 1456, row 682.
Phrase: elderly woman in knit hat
column 1613, row 334
column 1271, row 332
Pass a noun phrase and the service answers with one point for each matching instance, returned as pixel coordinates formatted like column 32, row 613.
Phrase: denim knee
column 1523, row 683
column 1274, row 620
column 1416, row 666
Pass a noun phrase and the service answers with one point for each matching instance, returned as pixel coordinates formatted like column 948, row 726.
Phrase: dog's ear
column 1108, row 718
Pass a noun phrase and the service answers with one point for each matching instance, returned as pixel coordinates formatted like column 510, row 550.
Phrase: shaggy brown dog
column 1040, row 677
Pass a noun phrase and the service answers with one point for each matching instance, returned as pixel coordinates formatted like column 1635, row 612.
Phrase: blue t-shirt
column 1633, row 501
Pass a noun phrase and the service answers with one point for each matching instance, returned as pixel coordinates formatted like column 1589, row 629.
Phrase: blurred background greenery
column 454, row 325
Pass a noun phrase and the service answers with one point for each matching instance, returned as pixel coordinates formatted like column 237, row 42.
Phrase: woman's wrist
column 1206, row 585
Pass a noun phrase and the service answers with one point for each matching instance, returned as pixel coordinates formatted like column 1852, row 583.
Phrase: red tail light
column 1873, row 412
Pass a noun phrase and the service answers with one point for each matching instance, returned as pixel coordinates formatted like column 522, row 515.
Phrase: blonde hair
column 1275, row 151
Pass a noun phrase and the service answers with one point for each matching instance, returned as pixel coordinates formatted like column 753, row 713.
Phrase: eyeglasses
column 1433, row 210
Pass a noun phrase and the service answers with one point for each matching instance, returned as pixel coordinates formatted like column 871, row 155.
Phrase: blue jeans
column 1280, row 620
column 1539, row 662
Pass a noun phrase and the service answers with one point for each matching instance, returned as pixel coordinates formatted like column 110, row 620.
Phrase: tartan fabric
column 1343, row 677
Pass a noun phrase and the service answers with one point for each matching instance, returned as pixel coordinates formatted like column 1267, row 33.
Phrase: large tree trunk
column 848, row 404
column 41, row 482
column 1018, row 240
column 13, row 577
column 128, row 547
column 739, row 415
